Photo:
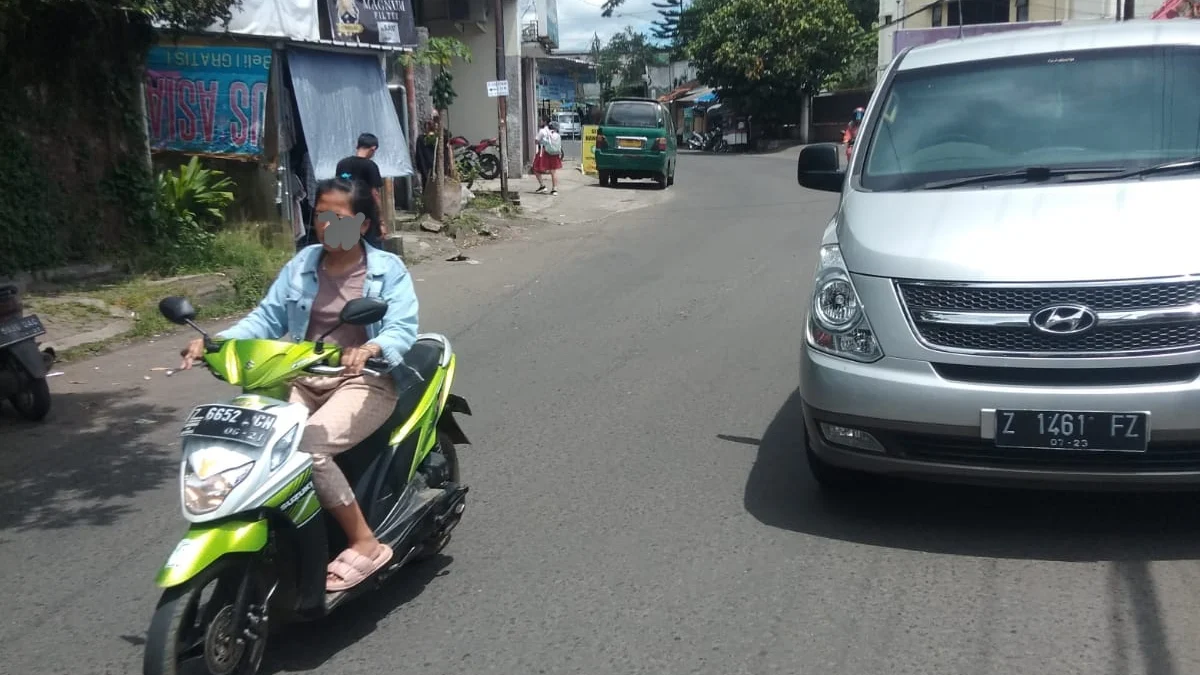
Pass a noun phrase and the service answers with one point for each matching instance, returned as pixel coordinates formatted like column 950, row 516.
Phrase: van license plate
column 1059, row 430
column 630, row 143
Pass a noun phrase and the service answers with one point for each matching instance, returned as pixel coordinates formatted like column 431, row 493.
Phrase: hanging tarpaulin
column 376, row 22
column 339, row 97
column 295, row 19
column 207, row 100
column 1178, row 9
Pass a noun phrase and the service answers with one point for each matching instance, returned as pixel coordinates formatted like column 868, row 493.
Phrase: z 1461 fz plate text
column 1059, row 430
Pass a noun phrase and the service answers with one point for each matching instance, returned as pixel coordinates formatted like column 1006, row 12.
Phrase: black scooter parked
column 22, row 367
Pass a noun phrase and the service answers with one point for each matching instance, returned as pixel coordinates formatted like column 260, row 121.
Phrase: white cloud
column 578, row 20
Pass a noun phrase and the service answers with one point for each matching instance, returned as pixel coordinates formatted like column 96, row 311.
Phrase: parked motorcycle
column 23, row 368
column 485, row 153
column 257, row 534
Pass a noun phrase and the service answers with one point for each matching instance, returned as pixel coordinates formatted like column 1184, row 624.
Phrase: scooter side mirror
column 363, row 311
column 177, row 310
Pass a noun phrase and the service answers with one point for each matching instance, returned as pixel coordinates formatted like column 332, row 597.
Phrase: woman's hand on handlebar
column 355, row 359
column 192, row 353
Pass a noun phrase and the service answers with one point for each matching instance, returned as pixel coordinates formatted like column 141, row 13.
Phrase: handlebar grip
column 378, row 364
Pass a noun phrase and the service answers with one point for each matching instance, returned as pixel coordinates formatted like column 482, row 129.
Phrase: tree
column 440, row 53
column 769, row 54
column 859, row 70
column 667, row 27
column 621, row 64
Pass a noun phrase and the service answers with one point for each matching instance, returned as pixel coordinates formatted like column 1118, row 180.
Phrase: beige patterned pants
column 342, row 413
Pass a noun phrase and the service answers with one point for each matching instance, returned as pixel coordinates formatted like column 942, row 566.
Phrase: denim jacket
column 285, row 310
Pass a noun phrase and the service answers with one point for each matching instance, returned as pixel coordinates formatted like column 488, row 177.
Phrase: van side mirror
column 819, row 167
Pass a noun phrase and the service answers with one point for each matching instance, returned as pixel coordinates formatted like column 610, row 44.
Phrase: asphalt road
column 638, row 502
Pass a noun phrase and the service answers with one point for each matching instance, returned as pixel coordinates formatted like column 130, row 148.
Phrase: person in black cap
column 361, row 167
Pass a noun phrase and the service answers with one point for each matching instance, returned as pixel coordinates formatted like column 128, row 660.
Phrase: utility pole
column 502, row 101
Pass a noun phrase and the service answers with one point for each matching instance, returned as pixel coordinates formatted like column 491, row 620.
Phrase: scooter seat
column 423, row 357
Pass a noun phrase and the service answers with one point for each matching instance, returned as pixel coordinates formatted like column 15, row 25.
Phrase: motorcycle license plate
column 12, row 332
column 230, row 423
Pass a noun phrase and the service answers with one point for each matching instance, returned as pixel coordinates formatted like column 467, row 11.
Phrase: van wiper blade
column 1189, row 164
column 1030, row 174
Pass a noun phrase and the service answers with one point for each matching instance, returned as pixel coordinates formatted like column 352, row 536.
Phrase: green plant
column 440, row 53
column 468, row 169
column 195, row 193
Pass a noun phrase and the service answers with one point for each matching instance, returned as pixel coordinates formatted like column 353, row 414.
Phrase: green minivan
column 636, row 140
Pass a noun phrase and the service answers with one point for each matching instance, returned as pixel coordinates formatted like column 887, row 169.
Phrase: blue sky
column 578, row 20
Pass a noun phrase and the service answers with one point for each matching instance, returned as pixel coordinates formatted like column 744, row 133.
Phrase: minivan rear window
column 632, row 114
column 1120, row 108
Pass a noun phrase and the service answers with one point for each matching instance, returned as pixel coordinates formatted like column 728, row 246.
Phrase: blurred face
column 338, row 227
column 369, row 152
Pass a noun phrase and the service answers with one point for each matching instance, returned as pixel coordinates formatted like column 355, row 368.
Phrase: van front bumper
column 928, row 426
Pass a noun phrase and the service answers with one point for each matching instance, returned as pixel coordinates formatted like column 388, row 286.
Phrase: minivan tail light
column 601, row 141
column 660, row 145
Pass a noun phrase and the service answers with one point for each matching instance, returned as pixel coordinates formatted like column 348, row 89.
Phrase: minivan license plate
column 1059, row 430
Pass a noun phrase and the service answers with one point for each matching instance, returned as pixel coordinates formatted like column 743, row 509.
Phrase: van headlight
column 212, row 471
column 837, row 323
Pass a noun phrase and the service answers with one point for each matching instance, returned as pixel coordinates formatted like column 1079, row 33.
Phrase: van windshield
column 1114, row 108
column 634, row 114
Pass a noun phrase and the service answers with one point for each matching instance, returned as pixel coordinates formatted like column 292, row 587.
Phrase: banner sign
column 588, row 165
column 207, row 100
column 378, row 22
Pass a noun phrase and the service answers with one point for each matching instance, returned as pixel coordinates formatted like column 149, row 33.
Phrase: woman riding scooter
column 305, row 302
column 851, row 131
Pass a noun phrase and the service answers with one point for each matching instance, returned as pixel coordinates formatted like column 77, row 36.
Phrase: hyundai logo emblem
column 1064, row 319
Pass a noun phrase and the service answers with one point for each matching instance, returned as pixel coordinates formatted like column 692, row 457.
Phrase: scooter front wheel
column 33, row 403
column 191, row 629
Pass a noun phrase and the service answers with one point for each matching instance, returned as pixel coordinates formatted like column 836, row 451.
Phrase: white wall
column 474, row 114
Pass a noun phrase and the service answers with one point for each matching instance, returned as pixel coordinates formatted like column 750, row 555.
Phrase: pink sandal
column 351, row 568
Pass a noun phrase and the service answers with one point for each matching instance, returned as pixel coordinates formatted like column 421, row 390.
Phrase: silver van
column 1009, row 290
column 568, row 125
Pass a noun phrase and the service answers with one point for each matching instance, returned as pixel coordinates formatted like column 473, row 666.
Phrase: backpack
column 553, row 145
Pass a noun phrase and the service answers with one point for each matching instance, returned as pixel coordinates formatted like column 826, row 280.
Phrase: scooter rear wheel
column 33, row 403
column 191, row 635
column 489, row 166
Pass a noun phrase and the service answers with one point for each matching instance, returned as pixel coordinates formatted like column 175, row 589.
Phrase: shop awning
column 677, row 93
column 340, row 96
column 695, row 94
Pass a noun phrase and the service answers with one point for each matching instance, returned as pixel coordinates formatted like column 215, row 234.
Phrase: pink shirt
column 333, row 292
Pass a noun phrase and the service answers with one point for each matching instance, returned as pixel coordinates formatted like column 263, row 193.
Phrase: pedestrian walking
column 361, row 167
column 549, row 156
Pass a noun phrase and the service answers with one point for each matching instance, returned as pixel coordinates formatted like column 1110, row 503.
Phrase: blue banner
column 207, row 100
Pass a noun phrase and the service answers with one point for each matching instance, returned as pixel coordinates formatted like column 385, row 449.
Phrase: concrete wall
column 1039, row 10
column 473, row 114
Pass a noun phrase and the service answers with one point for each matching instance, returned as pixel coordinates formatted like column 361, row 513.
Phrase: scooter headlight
column 213, row 470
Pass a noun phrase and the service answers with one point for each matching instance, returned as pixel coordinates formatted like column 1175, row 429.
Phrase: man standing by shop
column 360, row 166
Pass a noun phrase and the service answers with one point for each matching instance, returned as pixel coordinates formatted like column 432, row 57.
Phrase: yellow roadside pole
column 588, row 163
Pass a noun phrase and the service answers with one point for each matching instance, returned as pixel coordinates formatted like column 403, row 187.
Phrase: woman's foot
column 540, row 190
column 554, row 192
column 355, row 565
